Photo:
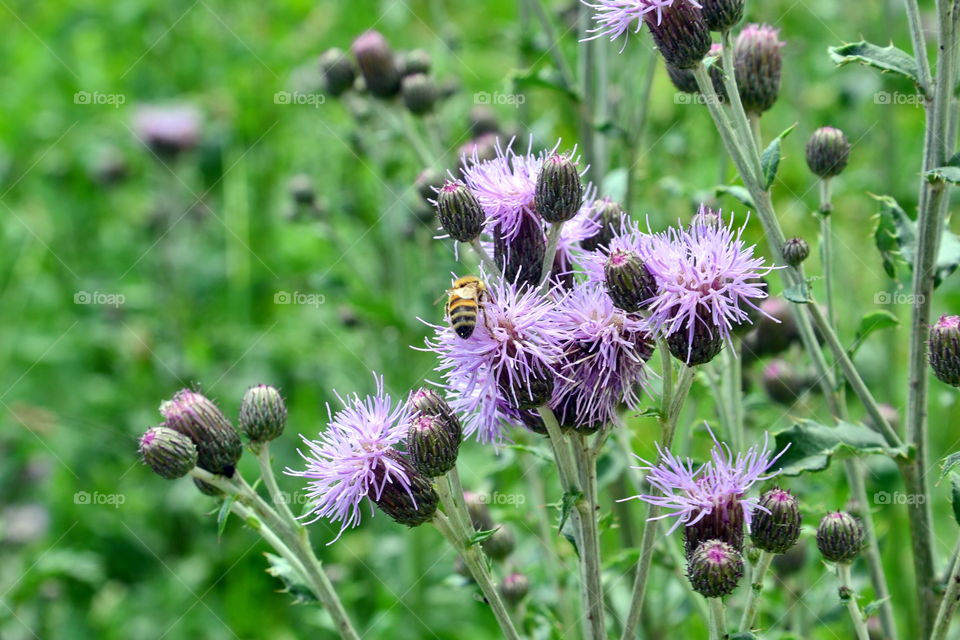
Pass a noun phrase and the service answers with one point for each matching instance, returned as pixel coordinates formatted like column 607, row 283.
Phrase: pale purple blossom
column 354, row 458
column 616, row 17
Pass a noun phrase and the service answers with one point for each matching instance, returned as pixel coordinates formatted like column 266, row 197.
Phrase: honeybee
column 464, row 301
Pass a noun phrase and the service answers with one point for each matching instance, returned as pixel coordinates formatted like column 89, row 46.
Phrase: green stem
column 919, row 45
column 718, row 619
column 675, row 550
column 269, row 479
column 734, row 383
column 590, row 537
column 553, row 240
column 849, row 599
column 756, row 588
column 739, row 118
column 948, row 604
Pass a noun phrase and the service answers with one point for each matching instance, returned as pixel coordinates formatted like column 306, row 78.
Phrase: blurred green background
column 93, row 545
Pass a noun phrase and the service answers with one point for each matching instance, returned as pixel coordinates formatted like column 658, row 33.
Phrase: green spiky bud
column 795, row 251
column 419, row 93
column 515, row 588
column 725, row 522
column 559, row 190
column 520, row 258
column 758, row 63
column 610, row 216
column 681, row 34
column 628, row 282
column 840, row 537
column 782, row 382
column 721, row 15
column 715, row 569
column 500, row 544
column 414, row 62
column 705, row 345
column 430, row 403
column 776, row 525
column 195, row 416
column 169, row 453
column 338, row 71
column 461, row 214
column 411, row 508
column 478, row 510
column 433, row 444
column 944, row 350
column 377, row 64
column 263, row 414
column 828, row 152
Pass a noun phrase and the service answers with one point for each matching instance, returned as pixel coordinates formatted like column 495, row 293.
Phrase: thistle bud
column 792, row 561
column 782, row 382
column 433, row 444
column 500, row 544
column 721, row 15
column 411, row 508
column 775, row 331
column 680, row 32
column 758, row 62
column 206, row 488
column 683, row 79
column 478, row 510
column 944, row 349
column 430, row 403
column 263, row 414
column 828, row 151
column 795, row 251
column 419, row 93
column 724, row 523
column 609, row 215
column 716, row 74
column 533, row 422
column 520, row 258
column 414, row 62
column 301, row 190
column 515, row 588
column 559, row 192
column 169, row 453
column 839, row 537
column 460, row 212
column 700, row 348
column 629, row 283
column 338, row 71
column 195, row 416
column 526, row 392
column 777, row 529
column 377, row 64
column 569, row 414
column 715, row 569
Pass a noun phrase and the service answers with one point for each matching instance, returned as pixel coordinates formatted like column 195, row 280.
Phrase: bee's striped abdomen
column 463, row 315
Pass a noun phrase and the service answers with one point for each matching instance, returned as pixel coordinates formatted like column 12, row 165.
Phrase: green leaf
column 874, row 606
column 887, row 59
column 799, row 294
column 813, row 445
column 955, row 496
column 649, row 412
column 480, row 536
column 223, row 515
column 735, row 191
column 947, row 465
column 944, row 174
column 570, row 499
column 896, row 237
column 293, row 581
column 873, row 321
column 770, row 159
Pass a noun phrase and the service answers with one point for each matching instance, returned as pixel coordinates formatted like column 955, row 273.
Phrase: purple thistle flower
column 691, row 494
column 354, row 458
column 614, row 17
column 605, row 355
column 168, row 128
column 515, row 344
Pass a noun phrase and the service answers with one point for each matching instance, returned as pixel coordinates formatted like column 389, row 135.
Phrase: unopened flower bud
column 559, row 192
column 515, row 588
column 520, row 258
column 715, row 569
column 500, row 544
column 301, row 190
column 195, row 416
column 433, row 444
column 680, row 32
column 169, row 453
column 419, row 93
column 682, row 79
column 377, row 64
column 828, row 151
column 338, row 71
column 945, row 350
column 206, row 488
column 532, row 421
column 478, row 510
column 411, row 508
column 795, row 251
column 721, row 15
column 778, row 528
column 263, row 414
column 839, row 537
column 460, row 212
column 526, row 391
column 775, row 331
column 610, row 216
column 430, row 403
column 782, row 382
column 414, row 62
column 705, row 344
column 628, row 282
column 758, row 62
column 725, row 523
column 570, row 415
column 792, row 561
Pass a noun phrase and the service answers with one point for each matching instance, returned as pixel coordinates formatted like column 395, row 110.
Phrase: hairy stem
column 718, row 619
column 849, row 599
column 590, row 536
column 756, row 588
column 553, row 239
column 948, row 605
column 270, row 481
